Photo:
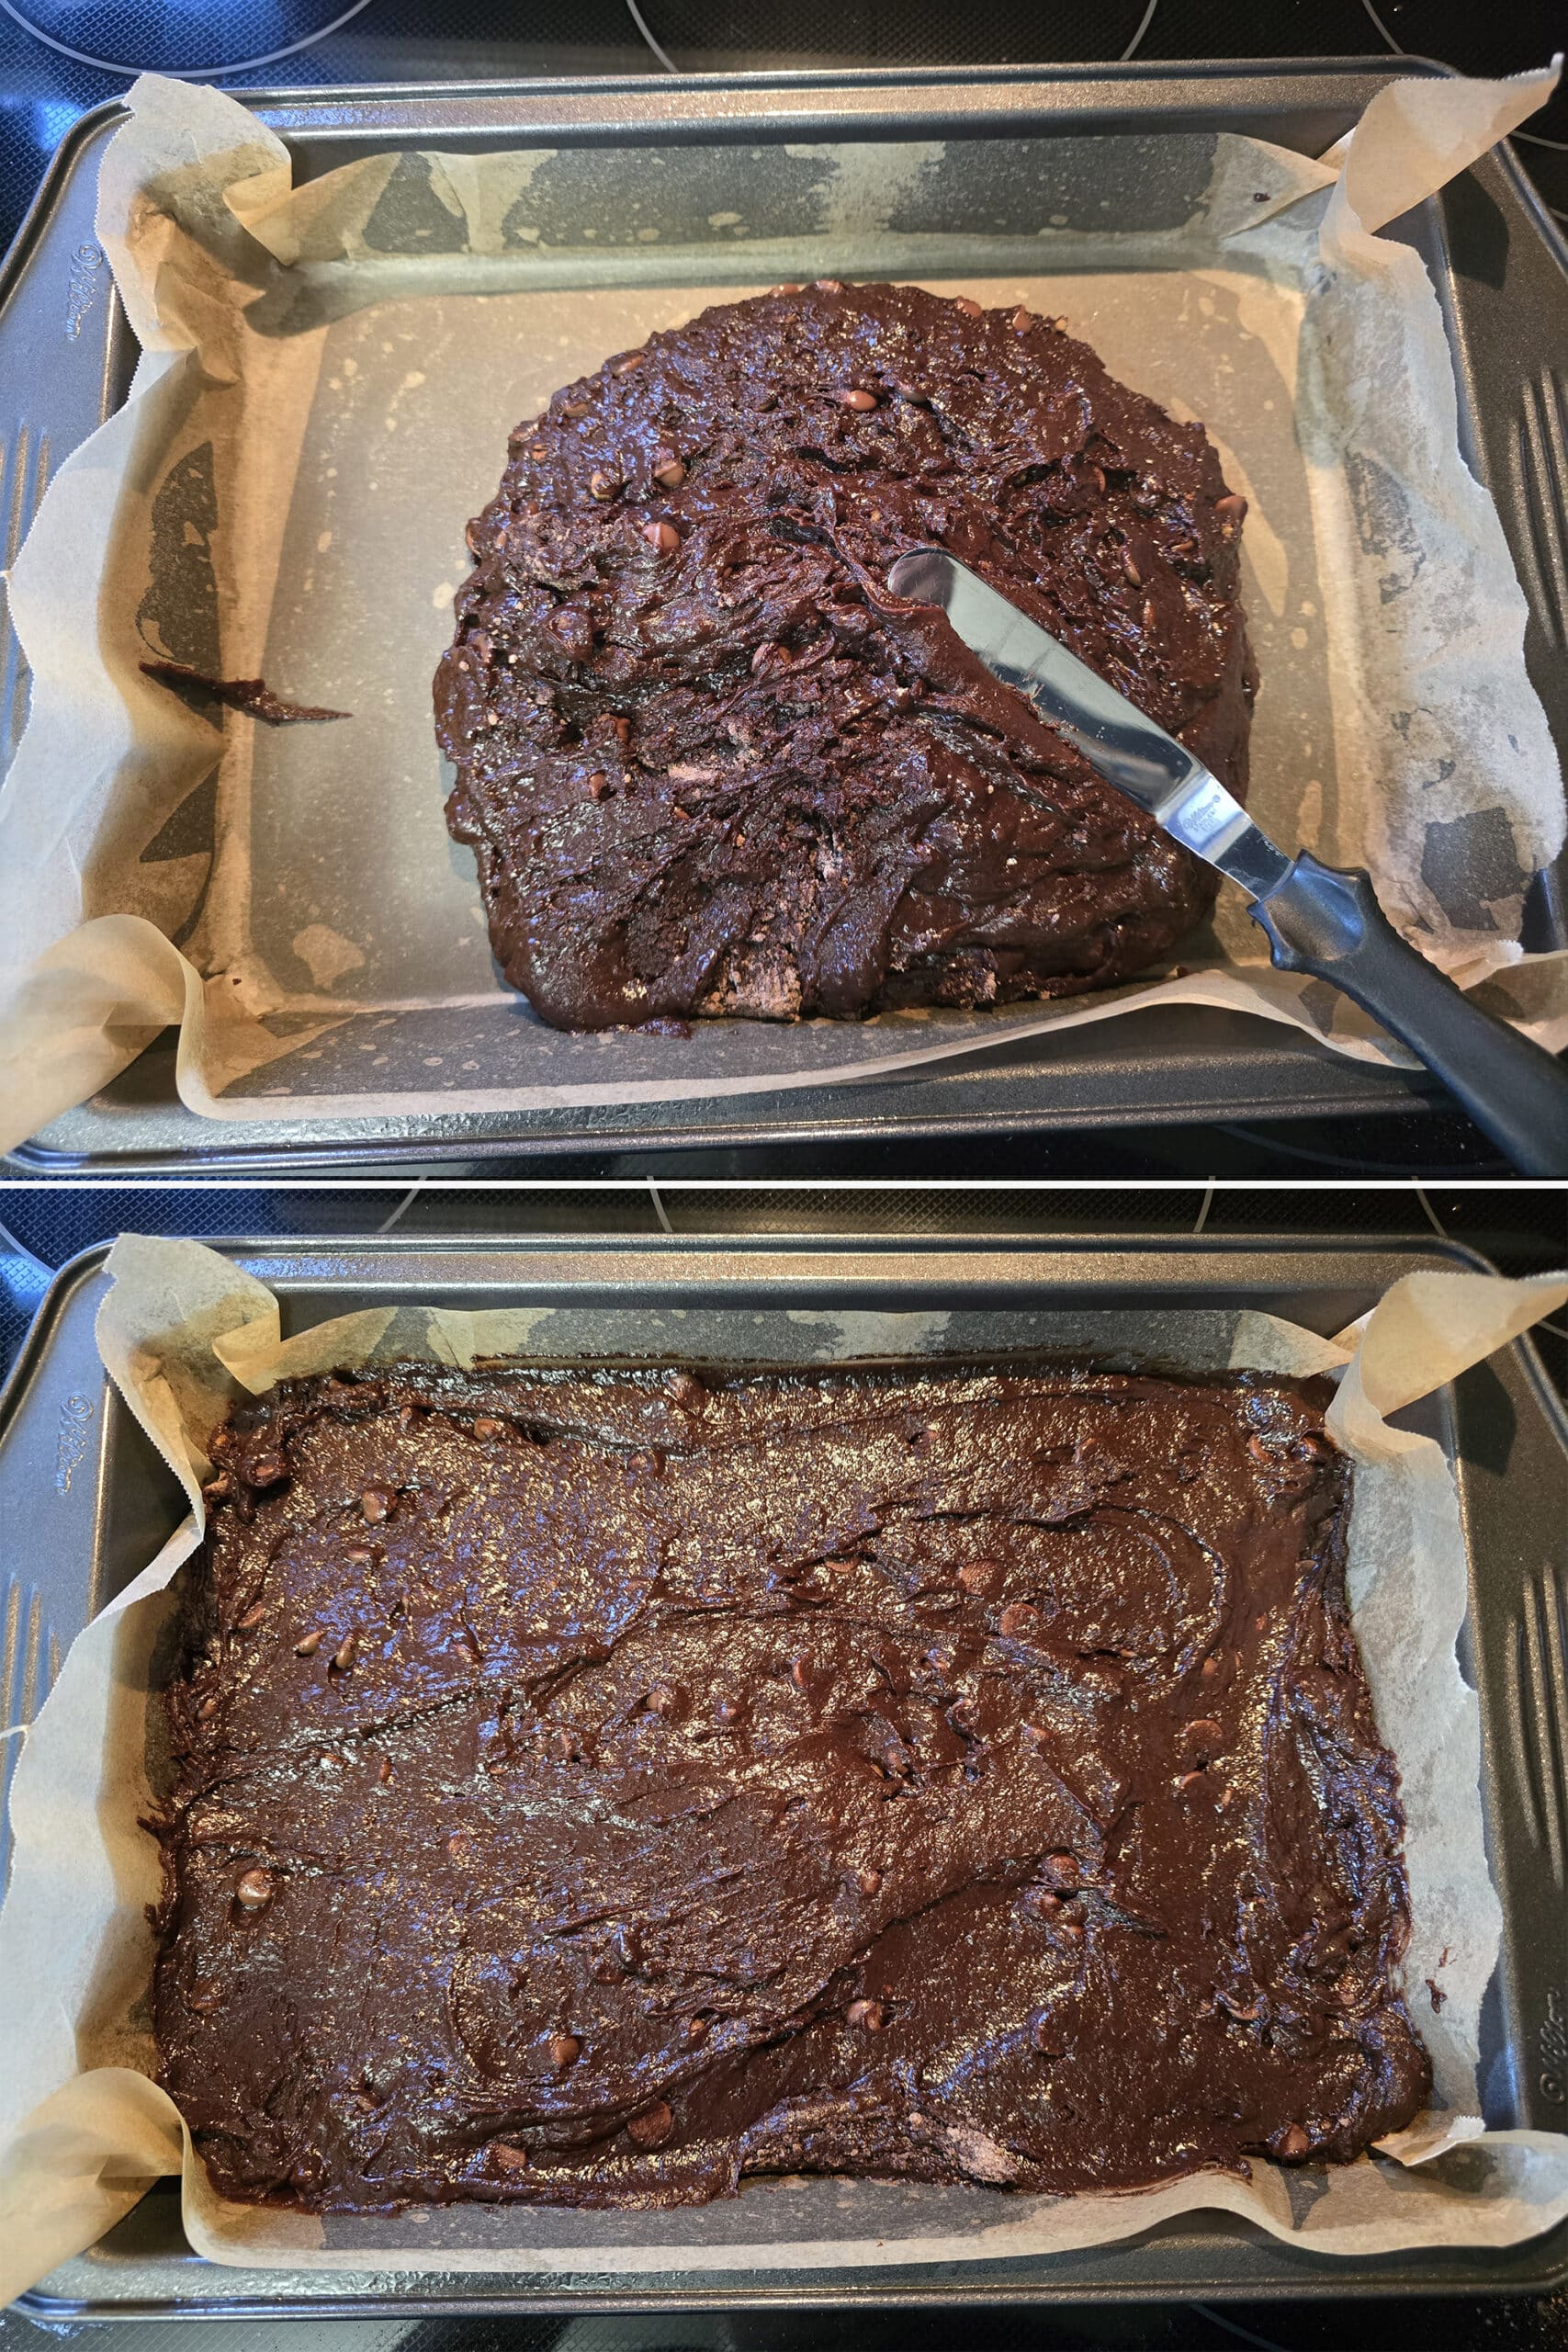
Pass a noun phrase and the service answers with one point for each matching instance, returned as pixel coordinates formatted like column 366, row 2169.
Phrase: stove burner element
column 182, row 72
column 1144, row 21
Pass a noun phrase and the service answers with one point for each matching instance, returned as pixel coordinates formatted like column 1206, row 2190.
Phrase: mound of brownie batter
column 593, row 1788
column 709, row 765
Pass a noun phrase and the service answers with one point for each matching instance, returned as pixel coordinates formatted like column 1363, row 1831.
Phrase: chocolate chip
column 1063, row 1872
column 376, row 1503
column 598, row 784
column 253, row 1890
column 574, row 628
column 911, row 392
column 728, row 1711
column 309, row 1643
column 669, row 471
column 869, row 1881
column 625, row 367
column 361, row 1554
column 1022, row 320
column 603, row 486
column 457, row 1844
column 663, row 1700
column 384, row 1770
column 1293, row 2143
column 1210, row 1668
column 565, row 2050
column 252, row 1617
column 507, row 2156
column 664, row 537
column 651, row 2128
column 870, row 2015
column 343, row 1656
column 970, row 307
column 483, row 1428
column 829, row 285
column 1233, row 503
column 1042, row 1899
column 862, row 402
column 783, row 289
column 976, row 1575
column 697, row 2028
column 800, row 1673
column 1018, row 1620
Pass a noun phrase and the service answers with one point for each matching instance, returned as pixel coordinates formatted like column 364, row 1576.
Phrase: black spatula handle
column 1322, row 920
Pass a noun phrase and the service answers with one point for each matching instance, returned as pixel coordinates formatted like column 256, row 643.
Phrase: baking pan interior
column 1497, row 1424
column 386, row 389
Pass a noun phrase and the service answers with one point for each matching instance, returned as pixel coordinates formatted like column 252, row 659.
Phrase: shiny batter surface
column 591, row 1787
column 707, row 764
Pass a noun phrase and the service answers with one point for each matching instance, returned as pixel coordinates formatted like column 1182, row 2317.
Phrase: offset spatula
column 1318, row 918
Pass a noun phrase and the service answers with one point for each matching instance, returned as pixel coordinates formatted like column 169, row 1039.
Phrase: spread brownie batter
column 709, row 764
column 592, row 1788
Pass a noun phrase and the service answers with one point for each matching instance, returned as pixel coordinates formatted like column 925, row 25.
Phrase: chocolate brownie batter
column 709, row 765
column 592, row 1788
column 253, row 696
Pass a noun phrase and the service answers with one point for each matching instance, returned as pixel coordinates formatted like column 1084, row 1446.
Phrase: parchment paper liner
column 323, row 400
column 183, row 1327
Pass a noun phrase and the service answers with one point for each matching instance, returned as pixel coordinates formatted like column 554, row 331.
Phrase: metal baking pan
column 1501, row 268
column 87, row 1500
